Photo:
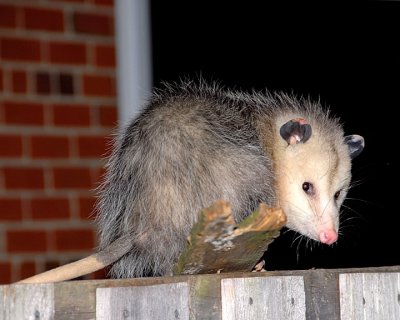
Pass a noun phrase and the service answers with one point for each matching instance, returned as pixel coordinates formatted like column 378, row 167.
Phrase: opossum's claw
column 259, row 267
column 296, row 131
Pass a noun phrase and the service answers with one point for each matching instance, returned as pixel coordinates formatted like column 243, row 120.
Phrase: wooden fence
column 326, row 294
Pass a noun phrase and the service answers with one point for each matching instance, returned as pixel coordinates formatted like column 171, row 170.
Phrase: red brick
column 10, row 145
column 5, row 272
column 19, row 83
column 49, row 147
column 91, row 23
column 24, row 113
column 108, row 116
column 66, row 84
column 23, row 178
column 11, row 209
column 74, row 240
column 87, row 207
column 51, row 265
column 95, row 85
column 105, row 56
column 104, row 2
column 1, row 80
column 67, row 52
column 8, row 16
column 71, row 115
column 27, row 269
column 43, row 19
column 50, row 208
column 26, row 241
column 69, row 0
column 100, row 274
column 18, row 49
column 98, row 176
column 43, row 83
column 72, row 178
column 92, row 146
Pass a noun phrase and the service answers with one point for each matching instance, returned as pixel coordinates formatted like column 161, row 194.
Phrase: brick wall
column 57, row 111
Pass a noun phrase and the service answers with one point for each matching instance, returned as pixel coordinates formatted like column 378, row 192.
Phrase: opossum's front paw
column 259, row 267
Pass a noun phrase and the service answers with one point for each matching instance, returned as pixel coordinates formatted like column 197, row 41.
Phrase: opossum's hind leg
column 148, row 262
column 158, row 206
column 157, row 239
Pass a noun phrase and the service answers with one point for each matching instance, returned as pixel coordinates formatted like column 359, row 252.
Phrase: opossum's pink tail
column 87, row 265
column 69, row 271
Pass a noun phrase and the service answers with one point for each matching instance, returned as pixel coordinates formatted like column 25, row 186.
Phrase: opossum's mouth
column 326, row 235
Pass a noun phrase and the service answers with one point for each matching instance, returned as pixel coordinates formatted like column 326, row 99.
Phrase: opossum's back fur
column 192, row 144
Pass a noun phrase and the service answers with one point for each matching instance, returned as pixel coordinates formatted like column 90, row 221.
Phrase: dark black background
column 347, row 56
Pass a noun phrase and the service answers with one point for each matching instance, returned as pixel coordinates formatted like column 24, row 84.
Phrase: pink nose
column 328, row 236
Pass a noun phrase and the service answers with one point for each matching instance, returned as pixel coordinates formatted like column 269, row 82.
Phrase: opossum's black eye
column 337, row 194
column 308, row 188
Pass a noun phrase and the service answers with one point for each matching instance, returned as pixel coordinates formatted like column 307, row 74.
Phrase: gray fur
column 191, row 145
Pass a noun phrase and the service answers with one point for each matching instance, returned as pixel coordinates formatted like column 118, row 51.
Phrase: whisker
column 349, row 209
column 363, row 201
column 347, row 219
column 298, row 249
column 356, row 183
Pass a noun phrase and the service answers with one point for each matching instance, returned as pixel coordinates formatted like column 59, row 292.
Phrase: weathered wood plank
column 272, row 298
column 322, row 295
column 218, row 244
column 35, row 301
column 157, row 302
column 205, row 297
column 370, row 296
column 76, row 299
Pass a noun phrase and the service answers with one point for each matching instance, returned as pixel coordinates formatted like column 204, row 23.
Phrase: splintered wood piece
column 217, row 244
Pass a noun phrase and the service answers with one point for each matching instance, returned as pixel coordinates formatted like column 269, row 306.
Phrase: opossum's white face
column 312, row 185
column 313, row 178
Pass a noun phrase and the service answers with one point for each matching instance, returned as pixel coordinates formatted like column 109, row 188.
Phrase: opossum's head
column 313, row 167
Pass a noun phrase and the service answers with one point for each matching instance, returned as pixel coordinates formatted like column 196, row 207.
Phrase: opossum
column 194, row 143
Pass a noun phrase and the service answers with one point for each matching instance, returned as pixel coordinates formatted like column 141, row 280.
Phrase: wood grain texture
column 27, row 302
column 370, row 296
column 159, row 302
column 77, row 299
column 272, row 298
column 322, row 297
column 205, row 297
column 218, row 245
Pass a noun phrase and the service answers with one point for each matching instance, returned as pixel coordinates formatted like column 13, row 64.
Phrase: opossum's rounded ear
column 355, row 143
column 295, row 131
